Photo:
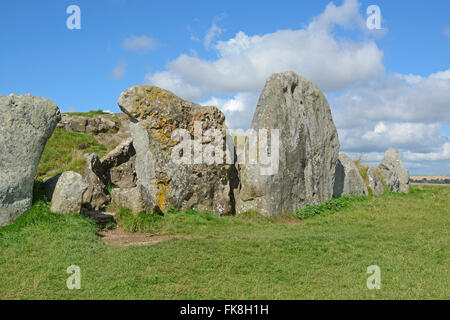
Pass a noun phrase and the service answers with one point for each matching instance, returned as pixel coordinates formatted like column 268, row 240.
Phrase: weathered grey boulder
column 348, row 180
column 155, row 115
column 68, row 194
column 136, row 199
column 374, row 182
column 120, row 165
column 50, row 185
column 26, row 123
column 393, row 173
column 95, row 197
column 308, row 148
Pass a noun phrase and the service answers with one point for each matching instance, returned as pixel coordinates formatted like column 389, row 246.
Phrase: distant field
column 430, row 179
column 244, row 257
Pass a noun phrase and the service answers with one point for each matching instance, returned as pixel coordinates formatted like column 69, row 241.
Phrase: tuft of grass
column 362, row 168
column 90, row 114
column 332, row 206
column 64, row 152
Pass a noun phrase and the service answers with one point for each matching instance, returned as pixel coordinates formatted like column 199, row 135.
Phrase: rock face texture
column 94, row 125
column 155, row 114
column 348, row 180
column 107, row 129
column 393, row 173
column 26, row 123
column 95, row 197
column 136, row 199
column 68, row 194
column 374, row 182
column 119, row 164
column 308, row 149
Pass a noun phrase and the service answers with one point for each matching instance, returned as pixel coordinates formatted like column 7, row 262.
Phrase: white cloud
column 404, row 136
column 244, row 62
column 442, row 154
column 119, row 71
column 140, row 44
column 373, row 111
column 443, row 75
column 238, row 110
column 408, row 98
column 447, row 32
column 214, row 31
column 401, row 111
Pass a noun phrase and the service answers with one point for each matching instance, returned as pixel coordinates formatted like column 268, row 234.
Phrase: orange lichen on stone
column 162, row 195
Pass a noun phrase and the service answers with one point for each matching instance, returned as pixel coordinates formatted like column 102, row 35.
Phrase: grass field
column 244, row 257
column 64, row 152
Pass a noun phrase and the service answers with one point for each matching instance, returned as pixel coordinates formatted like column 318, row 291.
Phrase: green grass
column 243, row 257
column 90, row 114
column 190, row 221
column 362, row 168
column 64, row 152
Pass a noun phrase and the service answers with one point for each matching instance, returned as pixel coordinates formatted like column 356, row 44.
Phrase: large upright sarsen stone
column 155, row 116
column 26, row 123
column 393, row 173
column 308, row 148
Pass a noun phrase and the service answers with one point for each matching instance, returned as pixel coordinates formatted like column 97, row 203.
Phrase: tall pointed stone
column 308, row 148
column 26, row 123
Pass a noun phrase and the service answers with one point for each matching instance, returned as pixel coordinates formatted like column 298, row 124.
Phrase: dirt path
column 121, row 237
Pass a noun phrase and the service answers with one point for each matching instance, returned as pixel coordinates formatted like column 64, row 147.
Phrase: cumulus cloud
column 244, row 62
column 442, row 154
column 409, row 98
column 238, row 110
column 401, row 111
column 140, row 44
column 383, row 135
column 119, row 71
column 373, row 110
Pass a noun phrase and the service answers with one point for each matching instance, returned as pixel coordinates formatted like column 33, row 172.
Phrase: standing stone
column 155, row 114
column 348, row 180
column 375, row 182
column 68, row 194
column 308, row 149
column 393, row 173
column 95, row 197
column 26, row 123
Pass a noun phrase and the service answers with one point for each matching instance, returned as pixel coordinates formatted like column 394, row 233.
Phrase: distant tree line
column 436, row 181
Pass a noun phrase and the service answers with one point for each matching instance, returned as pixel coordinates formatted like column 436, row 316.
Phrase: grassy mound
column 243, row 257
column 64, row 152
column 90, row 114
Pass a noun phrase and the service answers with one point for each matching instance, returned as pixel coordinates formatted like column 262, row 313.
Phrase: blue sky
column 399, row 76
